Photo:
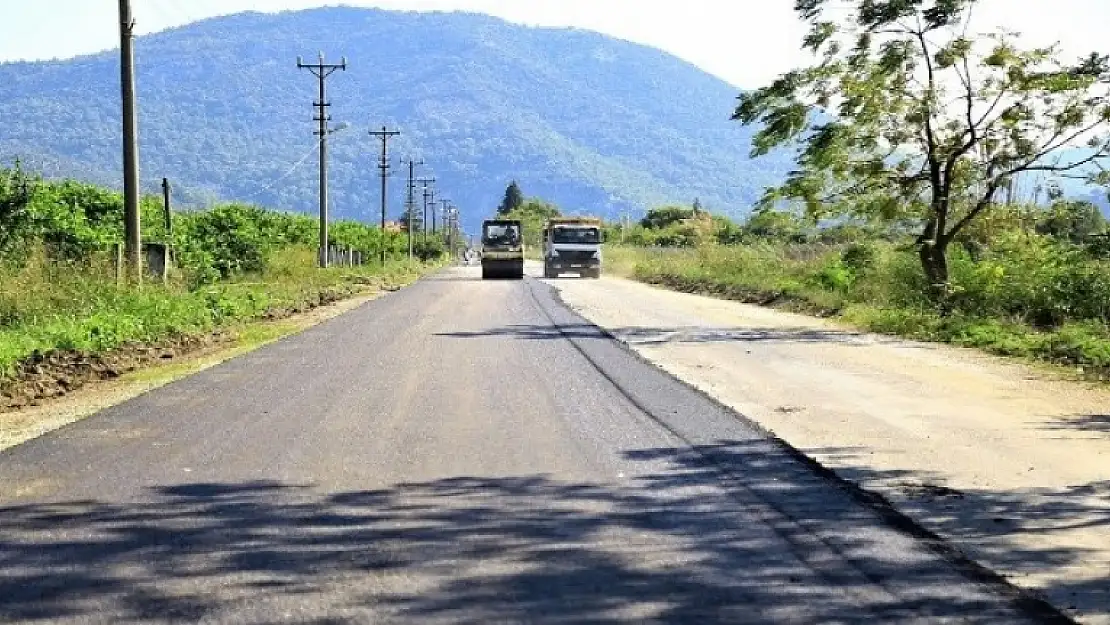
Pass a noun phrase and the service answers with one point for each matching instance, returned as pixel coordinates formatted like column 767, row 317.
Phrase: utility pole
column 435, row 211
column 385, row 135
column 410, row 197
column 432, row 203
column 445, row 204
column 452, row 230
column 427, row 194
column 132, row 233
column 322, row 70
column 167, row 209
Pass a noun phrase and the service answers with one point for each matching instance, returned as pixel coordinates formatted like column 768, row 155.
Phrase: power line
column 289, row 172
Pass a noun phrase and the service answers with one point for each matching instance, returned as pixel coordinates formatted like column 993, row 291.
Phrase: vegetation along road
column 493, row 459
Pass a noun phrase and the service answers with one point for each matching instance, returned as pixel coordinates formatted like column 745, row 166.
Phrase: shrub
column 432, row 249
column 228, row 238
column 860, row 257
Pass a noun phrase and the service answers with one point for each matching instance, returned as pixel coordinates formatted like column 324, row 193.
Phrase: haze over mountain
column 592, row 123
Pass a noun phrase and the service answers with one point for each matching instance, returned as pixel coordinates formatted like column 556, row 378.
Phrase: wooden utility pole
column 132, row 234
column 385, row 135
column 322, row 70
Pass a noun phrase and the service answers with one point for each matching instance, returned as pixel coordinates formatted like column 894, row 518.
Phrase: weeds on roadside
column 1029, row 296
column 47, row 305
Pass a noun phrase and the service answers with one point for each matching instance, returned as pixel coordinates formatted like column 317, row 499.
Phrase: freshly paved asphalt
column 460, row 451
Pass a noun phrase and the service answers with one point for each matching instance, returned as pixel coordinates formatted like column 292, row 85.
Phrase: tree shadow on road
column 1057, row 534
column 686, row 540
column 1097, row 423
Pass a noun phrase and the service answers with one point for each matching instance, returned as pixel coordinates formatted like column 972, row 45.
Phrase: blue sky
column 746, row 42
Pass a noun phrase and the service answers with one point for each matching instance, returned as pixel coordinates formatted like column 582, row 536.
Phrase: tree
column 417, row 219
column 1074, row 221
column 16, row 189
column 772, row 224
column 533, row 215
column 514, row 199
column 659, row 218
column 906, row 115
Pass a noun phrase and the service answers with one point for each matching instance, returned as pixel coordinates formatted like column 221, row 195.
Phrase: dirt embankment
column 50, row 375
column 55, row 374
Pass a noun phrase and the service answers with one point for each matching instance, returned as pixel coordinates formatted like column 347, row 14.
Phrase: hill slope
column 588, row 121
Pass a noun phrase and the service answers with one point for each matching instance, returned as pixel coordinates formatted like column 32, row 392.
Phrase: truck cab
column 572, row 245
column 502, row 249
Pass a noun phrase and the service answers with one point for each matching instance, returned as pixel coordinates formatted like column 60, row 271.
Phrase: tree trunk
column 934, row 262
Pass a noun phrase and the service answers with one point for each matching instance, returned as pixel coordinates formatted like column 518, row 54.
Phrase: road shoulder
column 1009, row 463
column 22, row 425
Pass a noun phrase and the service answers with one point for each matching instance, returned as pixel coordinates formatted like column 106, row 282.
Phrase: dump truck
column 502, row 249
column 572, row 245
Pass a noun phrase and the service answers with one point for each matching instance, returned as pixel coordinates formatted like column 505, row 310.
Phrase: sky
column 746, row 42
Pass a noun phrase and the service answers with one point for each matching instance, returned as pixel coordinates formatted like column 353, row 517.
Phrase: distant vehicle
column 572, row 245
column 502, row 249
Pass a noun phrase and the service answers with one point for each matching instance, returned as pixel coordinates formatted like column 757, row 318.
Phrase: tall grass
column 46, row 305
column 1030, row 296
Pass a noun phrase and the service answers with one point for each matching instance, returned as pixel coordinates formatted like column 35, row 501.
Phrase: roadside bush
column 1098, row 246
column 860, row 257
column 430, row 250
column 836, row 276
column 68, row 220
column 228, row 239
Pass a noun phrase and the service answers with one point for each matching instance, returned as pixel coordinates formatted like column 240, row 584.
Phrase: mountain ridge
column 588, row 121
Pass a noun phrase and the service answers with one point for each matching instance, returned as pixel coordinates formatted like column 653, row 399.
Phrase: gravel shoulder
column 1010, row 463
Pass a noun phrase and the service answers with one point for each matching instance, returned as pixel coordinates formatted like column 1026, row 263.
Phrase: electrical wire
column 313, row 150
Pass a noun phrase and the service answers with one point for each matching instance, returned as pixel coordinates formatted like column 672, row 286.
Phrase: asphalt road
column 460, row 451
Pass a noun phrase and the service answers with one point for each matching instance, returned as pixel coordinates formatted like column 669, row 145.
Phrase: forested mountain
column 590, row 122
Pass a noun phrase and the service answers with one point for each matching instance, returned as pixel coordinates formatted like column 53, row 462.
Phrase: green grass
column 46, row 306
column 1000, row 304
